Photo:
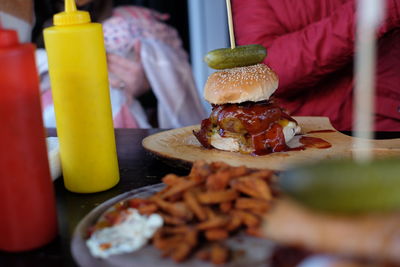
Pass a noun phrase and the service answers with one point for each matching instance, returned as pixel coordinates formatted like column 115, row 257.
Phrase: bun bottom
column 234, row 145
column 290, row 130
column 364, row 236
column 228, row 144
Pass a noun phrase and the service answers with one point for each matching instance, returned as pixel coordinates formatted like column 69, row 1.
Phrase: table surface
column 137, row 168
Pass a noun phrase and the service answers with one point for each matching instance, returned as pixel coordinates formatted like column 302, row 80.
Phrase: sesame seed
column 244, row 75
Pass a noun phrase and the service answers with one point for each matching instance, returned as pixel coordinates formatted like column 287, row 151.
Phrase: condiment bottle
column 80, row 88
column 27, row 205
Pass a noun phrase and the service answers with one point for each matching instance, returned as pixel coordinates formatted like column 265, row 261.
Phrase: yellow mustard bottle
column 80, row 88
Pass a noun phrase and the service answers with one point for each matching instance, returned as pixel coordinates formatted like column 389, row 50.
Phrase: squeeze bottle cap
column 8, row 38
column 71, row 15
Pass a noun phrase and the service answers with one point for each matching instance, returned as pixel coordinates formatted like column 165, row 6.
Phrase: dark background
column 177, row 9
column 101, row 10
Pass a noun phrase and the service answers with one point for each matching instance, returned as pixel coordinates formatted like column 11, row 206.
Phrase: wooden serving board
column 182, row 146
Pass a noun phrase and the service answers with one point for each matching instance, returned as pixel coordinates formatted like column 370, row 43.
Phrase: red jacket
column 310, row 44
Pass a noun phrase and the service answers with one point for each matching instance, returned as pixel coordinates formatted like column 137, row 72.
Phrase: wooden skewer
column 364, row 91
column 369, row 17
column 230, row 23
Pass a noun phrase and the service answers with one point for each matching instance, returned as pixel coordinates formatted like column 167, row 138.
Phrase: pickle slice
column 343, row 186
column 240, row 56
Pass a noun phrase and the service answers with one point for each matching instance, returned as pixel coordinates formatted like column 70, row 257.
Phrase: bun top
column 237, row 85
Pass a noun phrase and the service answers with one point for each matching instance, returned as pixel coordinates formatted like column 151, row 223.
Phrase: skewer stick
column 370, row 14
column 230, row 23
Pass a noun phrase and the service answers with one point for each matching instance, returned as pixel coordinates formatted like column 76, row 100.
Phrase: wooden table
column 137, row 167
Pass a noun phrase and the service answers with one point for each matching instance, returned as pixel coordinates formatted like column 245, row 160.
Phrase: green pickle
column 240, row 56
column 342, row 186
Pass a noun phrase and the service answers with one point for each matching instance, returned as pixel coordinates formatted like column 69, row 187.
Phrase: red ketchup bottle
column 27, row 205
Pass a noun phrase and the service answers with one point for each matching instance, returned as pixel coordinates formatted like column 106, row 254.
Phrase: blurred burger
column 244, row 118
column 369, row 240
column 341, row 208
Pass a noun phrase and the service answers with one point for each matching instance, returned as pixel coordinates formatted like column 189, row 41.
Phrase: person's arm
column 128, row 74
column 301, row 58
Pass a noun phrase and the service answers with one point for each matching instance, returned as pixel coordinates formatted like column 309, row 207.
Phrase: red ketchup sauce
column 311, row 142
column 257, row 122
column 203, row 134
column 314, row 142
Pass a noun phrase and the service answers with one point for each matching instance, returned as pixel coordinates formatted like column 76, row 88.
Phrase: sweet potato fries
column 203, row 209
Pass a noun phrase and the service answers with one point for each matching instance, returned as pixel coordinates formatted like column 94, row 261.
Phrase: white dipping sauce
column 129, row 235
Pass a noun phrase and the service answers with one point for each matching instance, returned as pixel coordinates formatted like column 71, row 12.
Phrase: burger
column 244, row 117
column 368, row 240
column 341, row 208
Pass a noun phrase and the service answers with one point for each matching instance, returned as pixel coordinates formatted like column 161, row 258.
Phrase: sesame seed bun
column 237, row 85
